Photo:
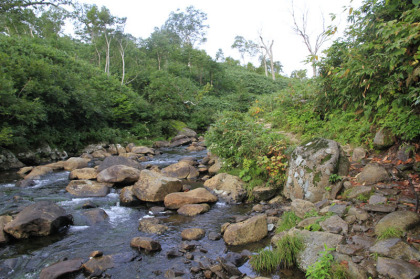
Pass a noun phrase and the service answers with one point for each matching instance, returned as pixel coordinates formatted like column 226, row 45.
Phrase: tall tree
column 268, row 49
column 188, row 25
column 245, row 47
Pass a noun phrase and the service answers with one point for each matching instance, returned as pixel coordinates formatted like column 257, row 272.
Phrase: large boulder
column 395, row 248
column 118, row 160
column 61, row 269
column 403, row 220
column 251, row 230
column 153, row 186
column 94, row 216
column 88, row 188
column 38, row 171
column 193, row 234
column 383, row 139
column 180, row 140
column 310, row 168
column 85, row 173
column 9, row 161
column 372, row 173
column 263, row 193
column 229, row 187
column 38, row 219
column 397, row 269
column 198, row 195
column 75, row 163
column 181, row 170
column 187, row 132
column 119, row 174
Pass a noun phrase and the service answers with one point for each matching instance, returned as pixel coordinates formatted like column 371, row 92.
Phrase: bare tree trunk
column 265, row 65
column 107, row 59
column 99, row 56
column 122, row 52
column 159, row 60
column 269, row 51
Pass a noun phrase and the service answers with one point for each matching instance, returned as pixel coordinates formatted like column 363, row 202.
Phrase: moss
column 317, row 144
column 308, row 170
column 326, row 159
column 317, row 178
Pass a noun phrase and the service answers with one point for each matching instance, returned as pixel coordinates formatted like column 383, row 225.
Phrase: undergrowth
column 288, row 220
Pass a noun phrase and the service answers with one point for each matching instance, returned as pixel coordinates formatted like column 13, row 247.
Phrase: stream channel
column 26, row 258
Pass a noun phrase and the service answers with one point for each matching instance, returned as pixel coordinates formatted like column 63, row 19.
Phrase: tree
column 245, row 47
column 301, row 30
column 268, row 50
column 161, row 43
column 189, row 26
column 17, row 6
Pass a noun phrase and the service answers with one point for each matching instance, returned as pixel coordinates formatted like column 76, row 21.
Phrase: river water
column 26, row 258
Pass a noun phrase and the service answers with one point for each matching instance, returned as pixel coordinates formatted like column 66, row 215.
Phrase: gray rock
column 127, row 197
column 9, row 161
column 356, row 191
column 94, row 216
column 355, row 270
column 61, row 269
column 349, row 249
column 248, row 231
column 88, row 188
column 338, row 209
column 153, row 186
column 262, row 193
column 358, row 154
column 335, row 224
column 119, row 174
column 360, row 214
column 395, row 248
column 187, row 132
column 397, row 269
column 301, row 207
column 311, row 167
column 372, row 173
column 4, row 219
column 363, row 240
column 377, row 199
column 383, row 139
column 385, row 208
column 403, row 220
column 181, row 170
column 227, row 186
column 118, row 160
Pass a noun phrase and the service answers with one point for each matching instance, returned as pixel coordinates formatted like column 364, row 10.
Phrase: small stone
column 358, row 154
column 193, row 234
column 96, row 254
column 146, row 243
column 173, row 253
column 335, row 224
column 360, row 214
column 338, row 209
column 214, row 236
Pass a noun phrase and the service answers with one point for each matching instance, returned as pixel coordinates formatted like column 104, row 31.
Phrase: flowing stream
column 26, row 258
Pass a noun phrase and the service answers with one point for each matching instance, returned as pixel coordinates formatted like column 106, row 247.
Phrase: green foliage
column 313, row 227
column 334, row 178
column 311, row 213
column 390, row 232
column 284, row 255
column 288, row 220
column 322, row 267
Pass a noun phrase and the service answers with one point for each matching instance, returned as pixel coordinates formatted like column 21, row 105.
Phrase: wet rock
column 372, row 173
column 88, row 188
column 88, row 205
column 25, row 183
column 127, row 197
column 216, row 165
column 95, row 216
column 230, row 187
column 181, row 170
column 143, row 150
column 152, row 225
column 395, row 248
column 383, row 139
column 397, row 269
column 179, row 141
column 37, row 172
column 263, row 193
column 193, row 209
column 100, row 154
column 96, row 254
column 248, row 231
column 118, row 160
column 4, row 219
column 96, row 266
column 24, row 170
column 198, row 195
column 153, row 186
column 119, row 174
column 214, row 236
column 75, row 163
column 173, row 253
column 403, row 220
column 85, row 173
column 276, row 200
column 359, row 153
column 157, row 210
column 258, row 208
column 38, row 219
column 193, row 234
column 310, row 168
column 301, row 207
column 61, row 269
column 335, row 224
column 314, row 244
column 230, row 268
column 145, row 243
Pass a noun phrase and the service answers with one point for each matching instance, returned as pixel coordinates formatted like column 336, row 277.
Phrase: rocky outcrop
column 41, row 155
column 153, row 186
column 39, row 219
column 181, row 170
column 248, row 231
column 229, row 187
column 9, row 161
column 198, row 195
column 119, row 174
column 61, row 269
column 310, row 168
column 88, row 188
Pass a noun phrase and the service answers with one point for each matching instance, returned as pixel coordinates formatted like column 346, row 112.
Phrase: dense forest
column 104, row 85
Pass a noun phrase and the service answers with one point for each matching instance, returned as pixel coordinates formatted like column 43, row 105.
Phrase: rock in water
column 118, row 160
column 119, row 174
column 198, row 195
column 61, row 269
column 153, row 186
column 248, row 231
column 39, row 219
column 231, row 187
column 145, row 243
column 88, row 188
column 181, row 170
column 310, row 168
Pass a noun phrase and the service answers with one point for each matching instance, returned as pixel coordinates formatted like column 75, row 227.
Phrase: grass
column 284, row 255
column 288, row 220
column 390, row 232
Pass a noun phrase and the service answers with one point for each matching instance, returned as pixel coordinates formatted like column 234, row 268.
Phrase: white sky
column 229, row 18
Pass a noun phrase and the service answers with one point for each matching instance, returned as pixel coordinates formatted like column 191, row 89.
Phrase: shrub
column 288, row 220
column 390, row 232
